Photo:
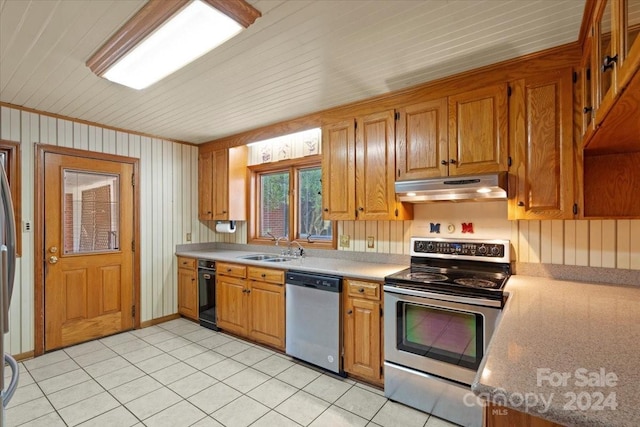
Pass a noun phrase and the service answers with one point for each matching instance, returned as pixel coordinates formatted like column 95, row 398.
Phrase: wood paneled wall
column 593, row 243
column 168, row 208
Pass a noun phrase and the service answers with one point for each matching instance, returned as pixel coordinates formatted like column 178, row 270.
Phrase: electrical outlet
column 188, row 237
column 344, row 240
column 26, row 226
column 370, row 242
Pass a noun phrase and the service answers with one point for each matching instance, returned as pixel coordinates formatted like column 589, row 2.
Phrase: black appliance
column 207, row 293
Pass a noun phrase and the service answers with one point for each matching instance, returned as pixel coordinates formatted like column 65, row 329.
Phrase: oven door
column 436, row 336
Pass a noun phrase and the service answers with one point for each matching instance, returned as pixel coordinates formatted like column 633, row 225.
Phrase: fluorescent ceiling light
column 167, row 36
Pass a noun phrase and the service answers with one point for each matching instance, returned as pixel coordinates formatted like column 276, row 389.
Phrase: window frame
column 292, row 166
column 12, row 153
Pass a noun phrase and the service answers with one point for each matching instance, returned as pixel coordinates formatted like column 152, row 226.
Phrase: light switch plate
column 188, row 237
column 344, row 240
column 370, row 242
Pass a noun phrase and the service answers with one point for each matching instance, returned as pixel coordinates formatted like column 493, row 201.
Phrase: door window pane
column 274, row 204
column 310, row 222
column 90, row 212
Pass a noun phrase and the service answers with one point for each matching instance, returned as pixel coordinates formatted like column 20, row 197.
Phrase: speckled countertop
column 342, row 267
column 552, row 336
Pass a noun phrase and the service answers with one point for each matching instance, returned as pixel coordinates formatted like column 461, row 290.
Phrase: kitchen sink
column 277, row 259
column 262, row 257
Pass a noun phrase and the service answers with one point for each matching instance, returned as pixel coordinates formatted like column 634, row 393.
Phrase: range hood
column 455, row 188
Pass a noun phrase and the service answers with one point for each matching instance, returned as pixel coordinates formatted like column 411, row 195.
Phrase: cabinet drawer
column 233, row 270
column 266, row 275
column 186, row 262
column 360, row 289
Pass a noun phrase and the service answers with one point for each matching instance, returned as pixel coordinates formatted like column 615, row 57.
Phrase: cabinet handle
column 248, row 291
column 587, row 110
column 444, row 163
column 520, row 203
column 361, row 209
column 228, row 270
column 326, row 209
column 608, row 62
column 452, row 161
column 263, row 275
column 208, row 212
column 361, row 290
column 224, row 212
column 349, row 311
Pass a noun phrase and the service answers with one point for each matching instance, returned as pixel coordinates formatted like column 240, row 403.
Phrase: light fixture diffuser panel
column 189, row 34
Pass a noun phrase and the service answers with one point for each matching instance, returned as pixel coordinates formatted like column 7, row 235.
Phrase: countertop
column 340, row 267
column 554, row 334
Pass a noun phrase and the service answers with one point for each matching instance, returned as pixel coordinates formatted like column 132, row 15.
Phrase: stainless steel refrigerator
column 7, row 275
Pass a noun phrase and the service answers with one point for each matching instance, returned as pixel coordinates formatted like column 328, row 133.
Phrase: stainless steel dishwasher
column 313, row 319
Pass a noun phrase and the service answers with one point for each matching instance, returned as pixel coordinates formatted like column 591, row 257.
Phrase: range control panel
column 470, row 249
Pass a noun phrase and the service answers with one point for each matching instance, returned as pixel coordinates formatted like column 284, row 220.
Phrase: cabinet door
column 541, row 110
column 478, row 131
column 606, row 45
column 220, row 184
column 630, row 58
column 375, row 166
column 499, row 416
column 338, row 171
column 188, row 293
column 362, row 338
column 205, row 182
column 421, row 140
column 266, row 322
column 231, row 304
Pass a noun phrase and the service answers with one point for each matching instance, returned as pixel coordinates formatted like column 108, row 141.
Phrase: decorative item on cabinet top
column 484, row 187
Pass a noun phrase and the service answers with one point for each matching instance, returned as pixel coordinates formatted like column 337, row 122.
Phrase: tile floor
column 180, row 374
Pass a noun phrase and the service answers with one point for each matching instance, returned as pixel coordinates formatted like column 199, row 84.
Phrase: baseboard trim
column 24, row 356
column 159, row 320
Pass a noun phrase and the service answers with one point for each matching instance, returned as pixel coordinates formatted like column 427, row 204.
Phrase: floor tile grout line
column 249, row 363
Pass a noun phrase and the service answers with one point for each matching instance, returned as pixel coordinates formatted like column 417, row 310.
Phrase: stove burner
column 427, row 277
column 475, row 283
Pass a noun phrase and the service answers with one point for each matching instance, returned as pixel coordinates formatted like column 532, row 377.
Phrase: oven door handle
column 443, row 297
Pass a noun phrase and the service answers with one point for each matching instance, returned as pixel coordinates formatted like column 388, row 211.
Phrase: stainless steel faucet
column 300, row 248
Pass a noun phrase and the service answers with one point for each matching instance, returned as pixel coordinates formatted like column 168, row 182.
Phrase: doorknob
column 53, row 249
column 53, row 259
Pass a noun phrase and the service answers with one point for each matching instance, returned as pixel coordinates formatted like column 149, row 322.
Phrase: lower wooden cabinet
column 499, row 416
column 250, row 303
column 362, row 330
column 188, row 288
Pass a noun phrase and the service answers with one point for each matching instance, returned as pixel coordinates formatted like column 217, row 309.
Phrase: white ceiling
column 299, row 57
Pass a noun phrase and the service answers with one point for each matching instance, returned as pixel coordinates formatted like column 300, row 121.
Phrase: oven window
column 448, row 335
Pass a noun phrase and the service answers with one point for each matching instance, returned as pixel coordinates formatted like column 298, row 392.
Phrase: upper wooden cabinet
column 358, row 169
column 221, row 173
column 613, row 48
column 339, row 170
column 478, row 131
column 422, row 149
column 542, row 147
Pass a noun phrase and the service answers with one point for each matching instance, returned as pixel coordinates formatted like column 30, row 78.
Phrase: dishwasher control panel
column 313, row 280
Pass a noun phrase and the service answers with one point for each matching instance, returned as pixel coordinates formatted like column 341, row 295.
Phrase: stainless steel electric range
column 440, row 315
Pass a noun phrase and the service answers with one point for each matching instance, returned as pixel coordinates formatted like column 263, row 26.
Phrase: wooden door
column 266, row 322
column 422, row 140
column 338, row 171
column 231, row 304
column 362, row 343
column 205, row 186
column 188, row 293
column 541, row 123
column 478, row 131
column 375, row 166
column 221, row 184
column 88, row 280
